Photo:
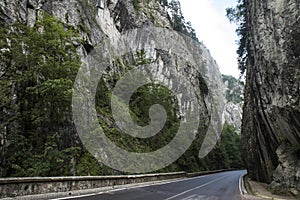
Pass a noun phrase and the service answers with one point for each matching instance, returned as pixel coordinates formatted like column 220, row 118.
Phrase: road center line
column 125, row 187
column 200, row 186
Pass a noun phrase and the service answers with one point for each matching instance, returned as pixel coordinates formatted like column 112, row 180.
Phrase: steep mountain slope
column 234, row 96
column 38, row 136
column 271, row 115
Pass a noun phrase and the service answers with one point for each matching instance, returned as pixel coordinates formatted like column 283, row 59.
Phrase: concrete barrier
column 13, row 187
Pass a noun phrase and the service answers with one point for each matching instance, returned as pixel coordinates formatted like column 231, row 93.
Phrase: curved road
column 220, row 186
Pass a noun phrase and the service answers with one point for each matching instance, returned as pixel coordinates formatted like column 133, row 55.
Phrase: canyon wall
column 271, row 115
column 146, row 25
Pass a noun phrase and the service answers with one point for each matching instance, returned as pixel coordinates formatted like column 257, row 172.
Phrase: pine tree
column 178, row 22
column 238, row 16
column 40, row 66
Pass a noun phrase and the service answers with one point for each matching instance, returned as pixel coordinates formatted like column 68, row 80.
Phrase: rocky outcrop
column 233, row 115
column 271, row 115
column 101, row 21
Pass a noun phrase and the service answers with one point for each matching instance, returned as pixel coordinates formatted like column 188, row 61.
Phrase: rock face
column 271, row 115
column 234, row 95
column 233, row 115
column 110, row 20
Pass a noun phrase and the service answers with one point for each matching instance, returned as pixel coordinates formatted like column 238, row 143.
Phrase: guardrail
column 193, row 174
column 13, row 187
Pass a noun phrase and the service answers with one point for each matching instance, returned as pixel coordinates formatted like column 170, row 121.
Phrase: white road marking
column 241, row 185
column 127, row 188
column 84, row 195
column 190, row 197
column 195, row 188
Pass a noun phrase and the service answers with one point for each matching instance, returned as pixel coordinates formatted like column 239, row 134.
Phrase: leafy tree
column 89, row 166
column 40, row 66
column 178, row 22
column 231, row 143
column 238, row 15
column 235, row 89
column 227, row 153
column 137, row 4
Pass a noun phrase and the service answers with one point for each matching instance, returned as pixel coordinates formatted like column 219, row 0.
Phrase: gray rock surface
column 271, row 115
column 233, row 115
column 111, row 22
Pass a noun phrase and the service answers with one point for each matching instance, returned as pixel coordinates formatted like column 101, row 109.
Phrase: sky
column 208, row 18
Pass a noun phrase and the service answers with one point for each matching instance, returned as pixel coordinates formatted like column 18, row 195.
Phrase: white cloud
column 213, row 28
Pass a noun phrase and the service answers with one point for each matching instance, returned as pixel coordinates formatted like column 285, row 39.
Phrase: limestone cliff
column 271, row 115
column 233, row 115
column 234, row 95
column 145, row 25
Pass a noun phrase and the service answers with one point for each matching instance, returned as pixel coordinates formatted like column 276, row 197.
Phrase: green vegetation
column 227, row 153
column 36, row 88
column 235, row 89
column 140, row 103
column 231, row 142
column 137, row 4
column 178, row 22
column 238, row 16
column 141, row 58
column 175, row 16
column 37, row 72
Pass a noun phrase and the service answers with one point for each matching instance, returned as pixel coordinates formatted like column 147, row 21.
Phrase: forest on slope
column 38, row 138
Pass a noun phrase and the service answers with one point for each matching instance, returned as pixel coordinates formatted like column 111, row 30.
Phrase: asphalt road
column 220, row 186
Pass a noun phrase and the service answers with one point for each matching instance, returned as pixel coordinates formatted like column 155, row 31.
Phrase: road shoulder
column 258, row 190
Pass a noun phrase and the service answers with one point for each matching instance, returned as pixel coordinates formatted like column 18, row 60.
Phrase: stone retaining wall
column 13, row 187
